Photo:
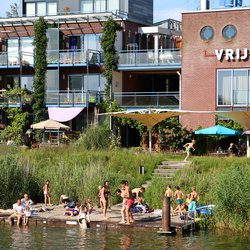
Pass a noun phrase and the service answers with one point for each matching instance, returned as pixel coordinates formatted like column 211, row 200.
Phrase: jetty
column 55, row 216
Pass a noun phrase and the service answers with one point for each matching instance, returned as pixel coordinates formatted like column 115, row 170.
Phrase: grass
column 78, row 172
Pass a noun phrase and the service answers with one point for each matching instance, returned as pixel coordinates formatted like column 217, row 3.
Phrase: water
column 71, row 237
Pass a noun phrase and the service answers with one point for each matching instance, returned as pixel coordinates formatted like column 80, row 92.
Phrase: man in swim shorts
column 189, row 146
column 179, row 199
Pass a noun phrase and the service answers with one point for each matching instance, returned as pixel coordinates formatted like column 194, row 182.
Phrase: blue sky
column 163, row 9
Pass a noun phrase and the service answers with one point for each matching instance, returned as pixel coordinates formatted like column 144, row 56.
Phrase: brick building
column 215, row 63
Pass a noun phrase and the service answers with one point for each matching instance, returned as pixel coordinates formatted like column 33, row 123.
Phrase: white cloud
column 175, row 13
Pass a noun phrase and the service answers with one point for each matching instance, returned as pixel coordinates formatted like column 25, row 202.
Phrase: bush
column 95, row 137
column 231, row 196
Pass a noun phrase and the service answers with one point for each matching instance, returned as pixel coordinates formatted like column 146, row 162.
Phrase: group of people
column 188, row 206
column 22, row 209
column 129, row 196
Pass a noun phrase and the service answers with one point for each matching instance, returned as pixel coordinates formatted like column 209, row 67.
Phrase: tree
column 110, row 57
column 40, row 42
column 17, row 118
column 13, row 11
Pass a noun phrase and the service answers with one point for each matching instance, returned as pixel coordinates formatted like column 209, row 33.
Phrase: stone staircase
column 167, row 169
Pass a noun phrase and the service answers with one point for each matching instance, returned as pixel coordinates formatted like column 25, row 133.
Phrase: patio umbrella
column 49, row 124
column 149, row 118
column 217, row 130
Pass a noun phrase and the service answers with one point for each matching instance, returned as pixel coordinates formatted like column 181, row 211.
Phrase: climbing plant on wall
column 40, row 43
column 110, row 57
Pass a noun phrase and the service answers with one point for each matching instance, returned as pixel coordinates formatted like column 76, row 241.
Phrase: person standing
column 193, row 202
column 169, row 193
column 179, row 199
column 189, row 146
column 46, row 193
column 104, row 197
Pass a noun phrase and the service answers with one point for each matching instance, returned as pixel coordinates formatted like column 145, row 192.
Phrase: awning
column 63, row 114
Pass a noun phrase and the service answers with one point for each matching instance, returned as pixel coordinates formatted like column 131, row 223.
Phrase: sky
column 163, row 9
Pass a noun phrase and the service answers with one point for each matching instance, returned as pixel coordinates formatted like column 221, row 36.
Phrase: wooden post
column 166, row 219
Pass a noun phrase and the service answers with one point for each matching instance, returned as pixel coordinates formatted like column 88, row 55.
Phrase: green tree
column 17, row 118
column 108, row 45
column 40, row 42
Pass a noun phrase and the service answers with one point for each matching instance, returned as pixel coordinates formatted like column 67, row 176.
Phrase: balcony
column 54, row 58
column 169, row 58
column 16, row 59
column 147, row 99
column 68, row 98
column 15, row 101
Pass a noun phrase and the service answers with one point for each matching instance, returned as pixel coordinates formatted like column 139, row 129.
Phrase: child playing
column 27, row 215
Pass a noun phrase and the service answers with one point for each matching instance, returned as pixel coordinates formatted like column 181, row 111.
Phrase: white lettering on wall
column 231, row 54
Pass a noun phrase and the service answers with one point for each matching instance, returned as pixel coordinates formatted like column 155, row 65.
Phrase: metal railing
column 15, row 100
column 149, row 57
column 147, row 99
column 16, row 58
column 72, row 97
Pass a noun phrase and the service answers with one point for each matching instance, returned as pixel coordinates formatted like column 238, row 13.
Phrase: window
column 87, row 6
column 207, row 33
column 100, row 5
column 41, row 9
column 233, row 87
column 113, row 5
column 27, row 49
column 229, row 32
column 30, row 9
column 75, row 82
column 92, row 41
column 27, row 82
column 52, row 8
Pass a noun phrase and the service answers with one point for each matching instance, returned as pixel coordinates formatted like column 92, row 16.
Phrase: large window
column 52, row 8
column 90, row 6
column 41, row 8
column 92, row 41
column 30, row 9
column 233, row 87
column 87, row 82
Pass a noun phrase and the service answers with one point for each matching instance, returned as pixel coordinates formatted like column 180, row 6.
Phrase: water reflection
column 72, row 237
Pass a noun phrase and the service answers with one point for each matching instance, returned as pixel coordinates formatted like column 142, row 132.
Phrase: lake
column 72, row 237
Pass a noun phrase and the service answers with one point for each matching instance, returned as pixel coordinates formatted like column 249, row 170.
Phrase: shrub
column 231, row 196
column 95, row 137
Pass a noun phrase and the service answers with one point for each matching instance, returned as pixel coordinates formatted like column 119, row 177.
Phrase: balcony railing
column 147, row 99
column 72, row 98
column 54, row 58
column 138, row 58
column 15, row 58
column 15, row 101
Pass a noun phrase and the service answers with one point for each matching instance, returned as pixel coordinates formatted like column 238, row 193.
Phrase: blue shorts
column 192, row 206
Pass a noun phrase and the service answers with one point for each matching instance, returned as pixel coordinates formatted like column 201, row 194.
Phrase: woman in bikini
column 104, row 196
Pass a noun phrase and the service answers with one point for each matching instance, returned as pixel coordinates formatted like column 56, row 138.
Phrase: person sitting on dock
column 138, row 193
column 27, row 215
column 26, row 201
column 64, row 199
column 179, row 199
column 192, row 206
column 18, row 213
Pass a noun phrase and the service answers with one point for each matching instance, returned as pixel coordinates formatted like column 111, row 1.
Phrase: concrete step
column 160, row 170
column 168, row 169
column 176, row 163
column 164, row 174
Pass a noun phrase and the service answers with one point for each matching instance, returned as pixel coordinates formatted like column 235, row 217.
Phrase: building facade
column 215, row 63
column 149, row 58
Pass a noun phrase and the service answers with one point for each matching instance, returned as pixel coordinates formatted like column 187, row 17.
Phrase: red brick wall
column 199, row 62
